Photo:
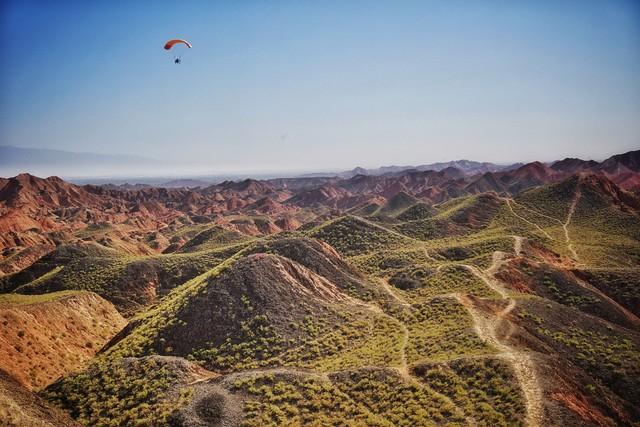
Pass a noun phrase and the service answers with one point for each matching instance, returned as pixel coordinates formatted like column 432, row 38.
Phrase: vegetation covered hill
column 129, row 282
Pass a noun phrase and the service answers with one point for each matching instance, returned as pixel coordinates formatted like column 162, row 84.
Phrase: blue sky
column 275, row 85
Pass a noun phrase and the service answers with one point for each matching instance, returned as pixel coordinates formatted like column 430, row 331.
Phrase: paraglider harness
column 177, row 60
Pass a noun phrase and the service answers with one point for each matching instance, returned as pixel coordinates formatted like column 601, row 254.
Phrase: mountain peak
column 621, row 162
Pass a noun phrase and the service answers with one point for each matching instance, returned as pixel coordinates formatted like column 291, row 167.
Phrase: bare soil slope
column 21, row 408
column 47, row 336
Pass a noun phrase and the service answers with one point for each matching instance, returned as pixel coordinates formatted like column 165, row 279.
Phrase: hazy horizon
column 147, row 170
column 308, row 87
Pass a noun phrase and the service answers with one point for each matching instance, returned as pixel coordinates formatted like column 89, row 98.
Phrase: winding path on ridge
column 487, row 328
column 387, row 288
column 535, row 212
column 513, row 212
column 404, row 366
column 517, row 244
column 565, row 225
column 403, row 369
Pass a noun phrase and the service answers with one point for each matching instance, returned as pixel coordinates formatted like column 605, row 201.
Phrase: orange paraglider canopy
column 168, row 45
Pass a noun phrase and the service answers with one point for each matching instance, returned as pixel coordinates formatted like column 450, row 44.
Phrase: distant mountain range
column 45, row 162
column 615, row 165
column 101, row 169
column 40, row 161
column 469, row 167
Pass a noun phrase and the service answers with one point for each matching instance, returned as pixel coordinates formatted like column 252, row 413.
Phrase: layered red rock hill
column 32, row 208
column 621, row 163
column 268, row 206
column 28, row 202
column 46, row 336
column 325, row 196
column 610, row 193
column 573, row 165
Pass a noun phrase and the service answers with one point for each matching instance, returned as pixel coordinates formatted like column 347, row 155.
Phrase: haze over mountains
column 93, row 168
column 14, row 160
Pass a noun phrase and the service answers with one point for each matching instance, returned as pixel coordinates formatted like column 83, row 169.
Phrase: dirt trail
column 525, row 207
column 565, row 225
column 523, row 365
column 404, row 372
column 203, row 375
column 388, row 230
column 404, row 236
column 429, row 257
column 517, row 244
column 385, row 285
column 403, row 369
column 526, row 220
column 525, row 370
column 486, row 328
column 521, row 362
column 404, row 366
column 486, row 278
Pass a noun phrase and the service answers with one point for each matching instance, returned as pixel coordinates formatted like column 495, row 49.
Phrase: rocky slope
column 48, row 336
column 21, row 408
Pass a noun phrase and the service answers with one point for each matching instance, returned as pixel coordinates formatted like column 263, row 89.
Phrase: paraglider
column 177, row 59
